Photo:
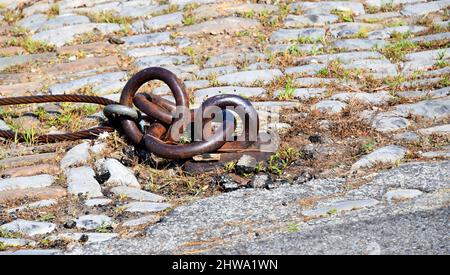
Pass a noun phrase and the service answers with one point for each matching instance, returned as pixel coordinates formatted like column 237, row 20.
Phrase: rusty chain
column 159, row 138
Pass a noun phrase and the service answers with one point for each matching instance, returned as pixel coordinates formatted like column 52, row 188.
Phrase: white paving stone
column 34, row 205
column 141, row 221
column 402, row 194
column 326, row 7
column 329, row 106
column 120, row 175
column 97, row 202
column 440, row 129
column 249, row 77
column 17, row 242
column 91, row 222
column 146, row 207
column 91, row 237
column 38, row 181
column 386, row 155
column 81, row 181
column 136, row 194
column 64, row 35
column 29, row 228
column 201, row 95
column 76, row 156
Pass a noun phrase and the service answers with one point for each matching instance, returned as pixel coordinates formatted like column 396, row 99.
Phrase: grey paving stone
column 6, row 62
column 326, row 7
column 421, row 82
column 97, row 202
column 407, row 136
column 427, row 55
column 147, row 39
column 387, row 32
column 386, row 121
column 220, row 25
column 381, row 3
column 358, row 44
column 329, row 106
column 91, row 237
column 119, row 174
column 294, row 48
column 401, row 194
column 424, row 8
column 91, row 222
column 347, row 30
column 436, row 154
column 190, row 85
column 444, row 24
column 379, row 98
column 441, row 71
column 71, row 4
column 33, row 22
column 389, row 154
column 64, row 20
column 156, row 50
column 4, row 126
column 108, row 88
column 141, row 221
column 160, row 60
column 32, row 252
column 34, row 205
column 208, row 72
column 136, row 194
column 76, row 156
column 295, row 21
column 201, row 95
column 69, row 87
column 424, row 176
column 249, row 77
column 432, row 37
column 344, row 57
column 17, row 242
column 183, row 3
column 36, row 8
column 226, row 9
column 304, row 93
column 306, row 70
column 231, row 57
column 159, row 22
column 275, row 104
column 38, row 181
column 311, row 81
column 146, row 207
column 379, row 67
column 418, row 65
column 370, row 17
column 81, row 181
column 258, row 66
column 439, row 129
column 431, row 109
column 29, row 228
column 64, row 35
column 283, row 35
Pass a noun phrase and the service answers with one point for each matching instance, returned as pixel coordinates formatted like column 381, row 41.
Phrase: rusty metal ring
column 250, row 115
column 185, row 151
column 181, row 98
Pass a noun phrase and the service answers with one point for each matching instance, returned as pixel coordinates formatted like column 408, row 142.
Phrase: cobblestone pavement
column 364, row 89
